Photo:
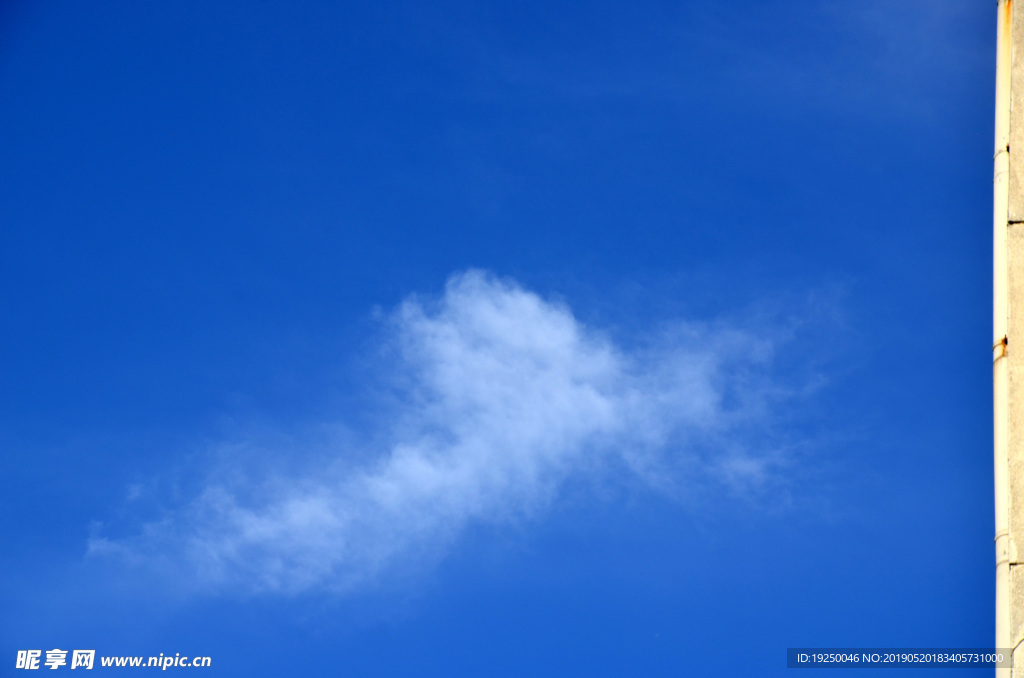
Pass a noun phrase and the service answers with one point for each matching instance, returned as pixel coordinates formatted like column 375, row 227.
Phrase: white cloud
column 501, row 397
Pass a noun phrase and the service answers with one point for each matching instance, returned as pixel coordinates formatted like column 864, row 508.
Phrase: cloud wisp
column 501, row 397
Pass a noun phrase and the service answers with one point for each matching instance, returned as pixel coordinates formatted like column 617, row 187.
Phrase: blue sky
column 495, row 338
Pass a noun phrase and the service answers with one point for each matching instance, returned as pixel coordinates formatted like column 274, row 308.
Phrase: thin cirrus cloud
column 501, row 397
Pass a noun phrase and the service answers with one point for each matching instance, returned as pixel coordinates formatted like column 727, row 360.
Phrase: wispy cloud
column 501, row 396
column 873, row 59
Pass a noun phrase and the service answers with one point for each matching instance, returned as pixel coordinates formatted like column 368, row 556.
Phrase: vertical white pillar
column 1000, row 317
